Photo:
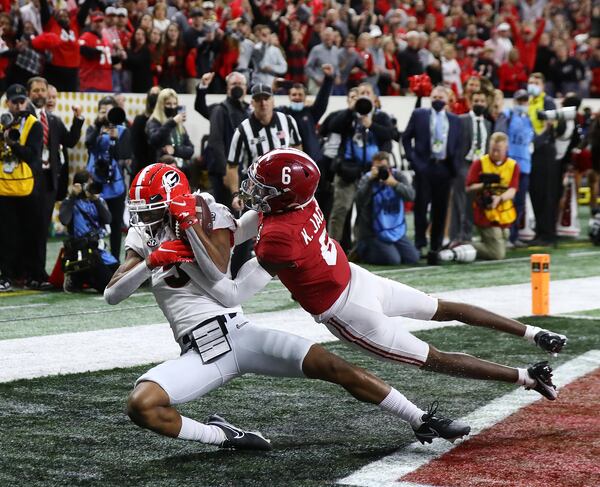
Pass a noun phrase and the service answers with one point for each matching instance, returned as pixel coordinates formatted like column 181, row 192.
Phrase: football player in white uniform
column 170, row 239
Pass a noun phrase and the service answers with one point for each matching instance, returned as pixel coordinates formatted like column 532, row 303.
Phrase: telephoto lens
column 383, row 173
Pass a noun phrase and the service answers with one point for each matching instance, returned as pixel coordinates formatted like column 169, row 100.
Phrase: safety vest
column 505, row 213
column 16, row 178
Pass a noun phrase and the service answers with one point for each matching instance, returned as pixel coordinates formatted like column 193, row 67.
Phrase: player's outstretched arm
column 251, row 278
column 127, row 278
column 246, row 227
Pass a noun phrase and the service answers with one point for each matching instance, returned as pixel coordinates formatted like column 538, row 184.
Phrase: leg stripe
column 370, row 346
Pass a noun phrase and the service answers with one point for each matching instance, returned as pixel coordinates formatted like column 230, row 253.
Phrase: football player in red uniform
column 170, row 229
column 357, row 306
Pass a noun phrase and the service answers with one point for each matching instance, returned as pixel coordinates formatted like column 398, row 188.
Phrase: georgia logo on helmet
column 281, row 180
column 149, row 195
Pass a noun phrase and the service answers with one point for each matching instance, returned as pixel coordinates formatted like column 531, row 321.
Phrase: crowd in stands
column 473, row 160
column 129, row 46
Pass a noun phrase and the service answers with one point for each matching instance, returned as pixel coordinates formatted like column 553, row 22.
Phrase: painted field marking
column 388, row 471
column 580, row 317
column 21, row 306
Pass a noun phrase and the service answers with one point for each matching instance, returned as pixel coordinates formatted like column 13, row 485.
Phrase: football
column 204, row 217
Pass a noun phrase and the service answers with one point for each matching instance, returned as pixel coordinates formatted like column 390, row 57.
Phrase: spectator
column 512, row 74
column 515, row 123
column 432, row 146
column 166, row 132
column 451, row 70
column 364, row 131
column 196, row 30
column 61, row 39
column 365, row 67
column 485, row 66
column 27, row 62
column 201, row 59
column 324, row 53
column 380, row 227
column 307, row 116
column 463, row 104
column 146, row 23
column 475, row 132
column 141, row 151
column 224, row 118
column 156, row 47
column 567, row 72
column 493, row 180
column 243, row 31
column 544, row 182
column 30, row 12
column 410, row 63
column 296, row 58
column 500, row 43
column 55, row 137
column 594, row 66
column 159, row 14
column 267, row 59
column 139, row 63
column 545, row 58
column 21, row 217
column 85, row 214
column 108, row 143
column 526, row 41
column 172, row 73
column 389, row 78
column 96, row 59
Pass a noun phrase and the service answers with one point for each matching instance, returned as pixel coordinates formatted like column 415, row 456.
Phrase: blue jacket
column 520, row 137
column 417, row 141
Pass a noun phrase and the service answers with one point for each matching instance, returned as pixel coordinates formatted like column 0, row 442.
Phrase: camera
column 561, row 114
column 91, row 188
column 116, row 116
column 383, row 173
column 104, row 169
column 363, row 105
column 12, row 134
column 488, row 179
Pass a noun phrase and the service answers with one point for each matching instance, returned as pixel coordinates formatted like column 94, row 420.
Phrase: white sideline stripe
column 387, row 471
column 69, row 353
column 21, row 306
column 581, row 317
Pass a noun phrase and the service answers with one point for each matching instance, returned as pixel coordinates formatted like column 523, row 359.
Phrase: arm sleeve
column 157, row 133
column 251, row 278
column 247, row 227
column 216, row 141
column 200, row 103
column 104, row 214
column 403, row 188
column 71, row 137
column 127, row 285
column 319, row 107
column 65, row 212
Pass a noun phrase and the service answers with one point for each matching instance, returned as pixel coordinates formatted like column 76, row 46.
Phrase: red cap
column 96, row 16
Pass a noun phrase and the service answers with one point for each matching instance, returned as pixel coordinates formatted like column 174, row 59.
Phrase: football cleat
column 550, row 342
column 542, row 373
column 238, row 439
column 438, row 427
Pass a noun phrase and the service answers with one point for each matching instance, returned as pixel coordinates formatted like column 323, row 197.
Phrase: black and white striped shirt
column 253, row 139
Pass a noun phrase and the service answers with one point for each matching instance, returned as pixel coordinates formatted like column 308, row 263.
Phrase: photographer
column 21, row 218
column 85, row 213
column 364, row 131
column 108, row 143
column 380, row 227
column 494, row 180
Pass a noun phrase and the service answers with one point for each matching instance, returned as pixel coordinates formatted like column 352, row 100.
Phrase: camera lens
column 363, row 106
column 383, row 173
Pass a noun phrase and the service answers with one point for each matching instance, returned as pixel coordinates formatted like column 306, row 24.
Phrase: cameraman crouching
column 494, row 179
column 108, row 142
column 381, row 224
column 85, row 213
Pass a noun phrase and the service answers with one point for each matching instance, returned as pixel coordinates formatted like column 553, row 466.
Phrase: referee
column 260, row 133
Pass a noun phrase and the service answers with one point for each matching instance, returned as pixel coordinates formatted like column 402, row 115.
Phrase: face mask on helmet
column 256, row 195
column 150, row 193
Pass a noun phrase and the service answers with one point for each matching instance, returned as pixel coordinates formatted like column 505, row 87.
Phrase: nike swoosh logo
column 238, row 433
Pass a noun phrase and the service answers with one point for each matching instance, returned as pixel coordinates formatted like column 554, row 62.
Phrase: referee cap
column 261, row 89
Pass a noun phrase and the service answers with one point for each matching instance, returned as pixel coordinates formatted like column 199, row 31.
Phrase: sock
column 204, row 433
column 525, row 379
column 397, row 404
column 531, row 332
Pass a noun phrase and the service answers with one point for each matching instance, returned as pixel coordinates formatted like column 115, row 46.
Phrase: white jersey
column 180, row 291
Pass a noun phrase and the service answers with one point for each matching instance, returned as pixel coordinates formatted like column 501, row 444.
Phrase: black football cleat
column 542, row 373
column 438, row 427
column 237, row 439
column 550, row 342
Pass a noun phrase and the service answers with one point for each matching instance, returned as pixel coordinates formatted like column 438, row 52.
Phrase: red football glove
column 183, row 208
column 170, row 252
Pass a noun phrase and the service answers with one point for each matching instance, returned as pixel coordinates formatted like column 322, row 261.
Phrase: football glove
column 170, row 252
column 183, row 208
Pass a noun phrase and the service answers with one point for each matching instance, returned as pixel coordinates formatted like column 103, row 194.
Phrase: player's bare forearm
column 217, row 245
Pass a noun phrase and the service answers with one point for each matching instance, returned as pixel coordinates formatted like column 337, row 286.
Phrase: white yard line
column 24, row 358
column 388, row 471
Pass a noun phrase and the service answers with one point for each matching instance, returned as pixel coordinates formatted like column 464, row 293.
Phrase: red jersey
column 95, row 73
column 321, row 271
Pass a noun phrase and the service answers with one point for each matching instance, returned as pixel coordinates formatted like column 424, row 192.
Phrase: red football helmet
column 150, row 193
column 283, row 179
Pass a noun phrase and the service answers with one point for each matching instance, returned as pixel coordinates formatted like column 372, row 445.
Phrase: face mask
column 437, row 105
column 237, row 92
column 534, row 90
column 479, row 110
column 39, row 102
column 170, row 112
column 64, row 23
column 521, row 108
column 296, row 105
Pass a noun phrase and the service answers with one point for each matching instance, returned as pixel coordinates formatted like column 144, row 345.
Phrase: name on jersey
column 317, row 220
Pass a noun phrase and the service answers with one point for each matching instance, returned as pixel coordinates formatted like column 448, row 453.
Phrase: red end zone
column 547, row 444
